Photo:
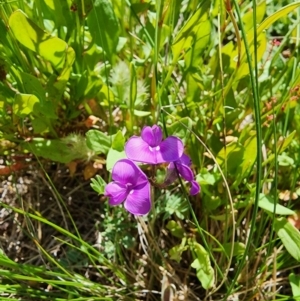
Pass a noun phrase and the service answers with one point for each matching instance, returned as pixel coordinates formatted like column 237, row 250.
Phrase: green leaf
column 61, row 13
column 141, row 113
column 238, row 249
column 285, row 160
column 175, row 229
column 55, row 150
column 88, row 85
column 34, row 38
column 116, row 152
column 98, row 141
column 118, row 142
column 112, row 157
column 295, row 284
column 98, row 184
column 187, row 34
column 232, row 154
column 104, row 26
column 274, row 17
column 25, row 104
column 201, row 40
column 261, row 37
column 206, row 178
column 201, row 263
column 33, row 86
column 289, row 236
column 248, row 159
column 61, row 81
column 266, row 202
column 176, row 252
column 40, row 125
column 181, row 128
column 283, row 143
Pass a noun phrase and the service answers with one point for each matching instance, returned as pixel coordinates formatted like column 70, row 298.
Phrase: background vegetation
column 78, row 78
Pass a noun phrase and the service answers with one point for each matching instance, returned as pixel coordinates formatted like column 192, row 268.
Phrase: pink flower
column 130, row 186
column 183, row 167
column 151, row 148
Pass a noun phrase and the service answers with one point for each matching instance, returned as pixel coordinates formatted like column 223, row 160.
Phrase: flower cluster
column 131, row 186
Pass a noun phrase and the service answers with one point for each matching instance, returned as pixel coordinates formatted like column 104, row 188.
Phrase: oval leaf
column 289, row 236
column 267, row 203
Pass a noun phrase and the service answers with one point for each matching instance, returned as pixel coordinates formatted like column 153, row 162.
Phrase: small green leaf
column 118, row 142
column 285, row 160
column 175, row 229
column 98, row 141
column 266, row 202
column 206, row 178
column 295, row 284
column 238, row 249
column 201, row 263
column 289, row 236
column 176, row 252
column 283, row 143
column 98, row 184
column 141, row 113
column 181, row 128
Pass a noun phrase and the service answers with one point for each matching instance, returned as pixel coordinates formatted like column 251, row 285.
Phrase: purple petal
column 195, row 189
column 138, row 201
column 126, row 172
column 138, row 150
column 171, row 175
column 171, row 149
column 116, row 192
column 185, row 172
column 152, row 135
column 185, row 159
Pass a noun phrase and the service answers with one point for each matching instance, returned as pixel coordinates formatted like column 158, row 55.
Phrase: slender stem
column 254, row 85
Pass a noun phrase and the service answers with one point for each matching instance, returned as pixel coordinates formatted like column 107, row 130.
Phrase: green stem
column 254, row 85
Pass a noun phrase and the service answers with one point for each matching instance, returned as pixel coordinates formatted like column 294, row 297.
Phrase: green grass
column 78, row 78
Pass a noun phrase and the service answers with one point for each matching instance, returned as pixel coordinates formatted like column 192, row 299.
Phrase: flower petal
column 195, row 189
column 171, row 175
column 116, row 192
column 185, row 160
column 171, row 149
column 185, row 172
column 138, row 150
column 152, row 135
column 138, row 201
column 126, row 172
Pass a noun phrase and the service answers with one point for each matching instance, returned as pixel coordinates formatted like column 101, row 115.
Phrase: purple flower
column 183, row 166
column 151, row 148
column 130, row 186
